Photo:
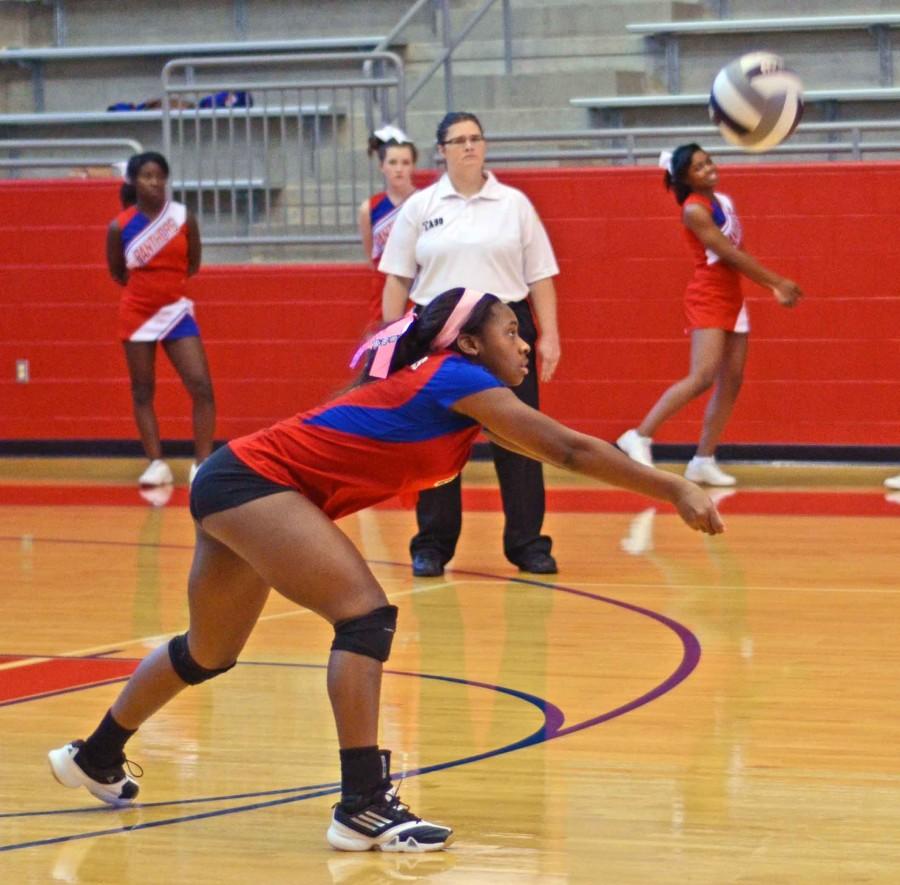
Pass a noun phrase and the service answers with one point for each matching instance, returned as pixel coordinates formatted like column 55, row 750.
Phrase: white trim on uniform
column 162, row 230
column 731, row 228
column 492, row 241
column 163, row 321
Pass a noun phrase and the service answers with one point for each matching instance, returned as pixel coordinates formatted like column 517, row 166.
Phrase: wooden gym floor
column 670, row 708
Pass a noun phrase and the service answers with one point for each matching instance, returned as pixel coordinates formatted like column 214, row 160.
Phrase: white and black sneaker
column 114, row 785
column 385, row 825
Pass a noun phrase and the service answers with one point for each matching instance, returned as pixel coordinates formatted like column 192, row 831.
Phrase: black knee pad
column 186, row 667
column 370, row 635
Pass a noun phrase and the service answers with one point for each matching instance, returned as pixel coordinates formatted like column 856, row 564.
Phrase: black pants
column 439, row 510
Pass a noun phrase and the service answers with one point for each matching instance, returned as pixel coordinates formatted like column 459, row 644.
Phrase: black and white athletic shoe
column 115, row 785
column 385, row 825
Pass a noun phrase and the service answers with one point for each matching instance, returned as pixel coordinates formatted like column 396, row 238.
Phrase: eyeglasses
column 463, row 140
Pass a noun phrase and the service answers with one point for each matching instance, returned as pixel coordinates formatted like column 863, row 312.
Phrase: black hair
column 127, row 195
column 416, row 341
column 676, row 180
column 452, row 119
column 128, row 191
column 377, row 146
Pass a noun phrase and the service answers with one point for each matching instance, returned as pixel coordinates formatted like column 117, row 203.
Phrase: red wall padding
column 278, row 337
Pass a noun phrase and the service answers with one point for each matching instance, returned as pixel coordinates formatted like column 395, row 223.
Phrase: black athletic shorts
column 224, row 481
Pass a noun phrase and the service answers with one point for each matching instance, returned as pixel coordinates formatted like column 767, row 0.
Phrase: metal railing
column 450, row 42
column 282, row 161
column 628, row 146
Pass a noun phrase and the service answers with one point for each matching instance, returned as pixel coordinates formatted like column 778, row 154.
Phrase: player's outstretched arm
column 511, row 423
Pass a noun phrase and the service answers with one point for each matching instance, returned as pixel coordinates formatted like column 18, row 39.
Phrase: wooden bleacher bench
column 666, row 34
column 610, row 107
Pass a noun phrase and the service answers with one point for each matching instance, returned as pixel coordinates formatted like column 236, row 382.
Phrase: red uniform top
column 713, row 298
column 156, row 255
column 378, row 440
column 382, row 215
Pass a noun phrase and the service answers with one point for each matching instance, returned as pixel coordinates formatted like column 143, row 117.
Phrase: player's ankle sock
column 105, row 746
column 362, row 773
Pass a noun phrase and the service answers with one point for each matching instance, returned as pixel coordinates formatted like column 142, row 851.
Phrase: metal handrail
column 264, row 181
column 630, row 151
column 450, row 41
column 192, row 64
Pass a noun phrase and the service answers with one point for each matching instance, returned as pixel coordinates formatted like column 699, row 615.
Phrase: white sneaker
column 112, row 785
column 893, row 482
column 194, row 468
column 640, row 533
column 637, row 447
column 706, row 471
column 717, row 496
column 157, row 496
column 156, row 474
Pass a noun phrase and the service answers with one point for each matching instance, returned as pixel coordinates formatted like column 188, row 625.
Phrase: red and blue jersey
column 382, row 214
column 156, row 255
column 713, row 298
column 382, row 439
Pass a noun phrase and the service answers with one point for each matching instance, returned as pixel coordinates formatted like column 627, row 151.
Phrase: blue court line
column 553, row 716
column 550, row 730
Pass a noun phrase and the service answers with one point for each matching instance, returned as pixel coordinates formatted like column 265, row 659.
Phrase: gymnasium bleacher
column 615, row 231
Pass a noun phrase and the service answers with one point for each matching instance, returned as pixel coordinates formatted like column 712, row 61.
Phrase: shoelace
column 133, row 768
column 394, row 801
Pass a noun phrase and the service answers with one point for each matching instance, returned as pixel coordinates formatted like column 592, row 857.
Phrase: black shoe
column 427, row 565
column 537, row 563
column 385, row 824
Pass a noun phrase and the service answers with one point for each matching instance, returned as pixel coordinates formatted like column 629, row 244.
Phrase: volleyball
column 756, row 101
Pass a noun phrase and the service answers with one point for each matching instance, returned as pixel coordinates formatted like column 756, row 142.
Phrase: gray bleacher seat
column 124, row 117
column 667, row 34
column 35, row 57
column 609, row 107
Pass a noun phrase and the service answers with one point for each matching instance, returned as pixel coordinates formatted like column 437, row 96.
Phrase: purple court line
column 550, row 730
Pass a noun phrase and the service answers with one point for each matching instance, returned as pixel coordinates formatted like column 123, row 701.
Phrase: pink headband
column 457, row 319
column 384, row 343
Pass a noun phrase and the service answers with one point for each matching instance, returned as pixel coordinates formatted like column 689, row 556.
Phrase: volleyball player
column 265, row 506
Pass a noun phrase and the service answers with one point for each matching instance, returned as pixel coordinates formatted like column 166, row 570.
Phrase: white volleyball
column 756, row 101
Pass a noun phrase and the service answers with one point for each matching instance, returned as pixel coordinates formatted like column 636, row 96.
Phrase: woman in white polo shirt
column 470, row 230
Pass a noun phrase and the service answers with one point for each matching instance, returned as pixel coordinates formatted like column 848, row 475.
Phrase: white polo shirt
column 492, row 241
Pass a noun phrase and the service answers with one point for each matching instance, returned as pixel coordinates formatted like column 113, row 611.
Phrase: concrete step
column 701, row 60
column 536, row 49
column 89, row 22
column 483, row 93
column 776, row 8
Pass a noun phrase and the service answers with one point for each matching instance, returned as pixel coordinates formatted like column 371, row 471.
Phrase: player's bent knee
column 187, row 669
column 370, row 635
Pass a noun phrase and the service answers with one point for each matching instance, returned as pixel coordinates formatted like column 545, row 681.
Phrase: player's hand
column 787, row 292
column 697, row 510
column 548, row 353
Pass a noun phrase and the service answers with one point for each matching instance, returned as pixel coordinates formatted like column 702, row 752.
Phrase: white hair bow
column 665, row 161
column 392, row 133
